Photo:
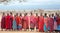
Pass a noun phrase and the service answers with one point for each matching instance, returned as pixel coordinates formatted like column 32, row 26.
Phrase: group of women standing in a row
column 42, row 23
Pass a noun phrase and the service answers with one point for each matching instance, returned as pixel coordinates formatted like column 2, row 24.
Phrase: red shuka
column 25, row 22
column 41, row 23
column 8, row 22
column 51, row 24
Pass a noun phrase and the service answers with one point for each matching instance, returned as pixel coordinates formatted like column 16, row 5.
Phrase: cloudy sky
column 31, row 4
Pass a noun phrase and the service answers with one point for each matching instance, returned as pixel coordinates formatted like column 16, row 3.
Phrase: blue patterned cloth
column 14, row 24
column 45, row 29
column 58, row 27
column 19, row 27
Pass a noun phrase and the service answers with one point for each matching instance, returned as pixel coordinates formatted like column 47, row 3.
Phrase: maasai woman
column 55, row 22
column 58, row 23
column 45, row 22
column 20, row 24
column 7, row 22
column 41, row 23
column 17, row 21
column 25, row 22
column 11, row 20
column 36, row 20
column 14, row 23
column 50, row 23
column 32, row 21
column 3, row 21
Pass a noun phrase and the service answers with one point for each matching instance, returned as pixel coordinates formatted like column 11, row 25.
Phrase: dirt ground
column 26, row 32
column 18, row 32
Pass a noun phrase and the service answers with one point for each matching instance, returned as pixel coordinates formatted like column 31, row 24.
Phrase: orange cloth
column 17, row 20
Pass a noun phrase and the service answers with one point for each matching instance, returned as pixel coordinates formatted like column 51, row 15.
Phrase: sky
column 31, row 4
